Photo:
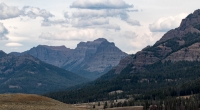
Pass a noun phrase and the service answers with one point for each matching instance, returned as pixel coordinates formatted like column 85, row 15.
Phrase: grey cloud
column 100, row 4
column 95, row 9
column 90, row 14
column 34, row 12
column 48, row 22
column 85, row 14
column 7, row 12
column 133, row 22
column 111, row 26
column 107, row 27
column 3, row 32
column 86, row 23
column 129, row 35
column 96, row 23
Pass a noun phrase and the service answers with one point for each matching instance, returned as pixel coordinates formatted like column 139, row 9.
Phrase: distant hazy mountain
column 26, row 74
column 89, row 59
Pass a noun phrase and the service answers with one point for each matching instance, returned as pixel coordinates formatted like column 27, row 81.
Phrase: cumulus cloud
column 86, row 14
column 80, row 34
column 164, row 24
column 34, row 12
column 88, row 9
column 100, row 4
column 3, row 32
column 7, row 12
column 13, row 44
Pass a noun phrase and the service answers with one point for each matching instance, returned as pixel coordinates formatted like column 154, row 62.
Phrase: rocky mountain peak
column 96, row 42
column 179, row 44
column 191, row 20
column 191, row 24
column 61, row 48
column 89, row 59
column 2, row 53
column 101, row 40
column 94, row 57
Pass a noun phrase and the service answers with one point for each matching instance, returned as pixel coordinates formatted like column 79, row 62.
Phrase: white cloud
column 7, row 12
column 100, row 4
column 164, row 24
column 13, row 44
column 34, row 12
column 3, row 32
column 80, row 34
column 66, row 14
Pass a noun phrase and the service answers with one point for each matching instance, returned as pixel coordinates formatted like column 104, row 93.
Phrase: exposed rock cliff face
column 55, row 55
column 190, row 24
column 95, row 57
column 89, row 59
column 191, row 53
column 180, row 44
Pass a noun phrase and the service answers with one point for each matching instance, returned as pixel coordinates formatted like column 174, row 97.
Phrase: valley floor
column 32, row 102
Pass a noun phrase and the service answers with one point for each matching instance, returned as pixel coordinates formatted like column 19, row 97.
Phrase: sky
column 130, row 24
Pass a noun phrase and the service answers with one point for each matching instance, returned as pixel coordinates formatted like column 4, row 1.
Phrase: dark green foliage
column 173, row 44
column 156, row 77
column 189, row 39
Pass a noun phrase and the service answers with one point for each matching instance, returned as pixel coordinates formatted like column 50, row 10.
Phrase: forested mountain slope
column 26, row 74
column 170, row 62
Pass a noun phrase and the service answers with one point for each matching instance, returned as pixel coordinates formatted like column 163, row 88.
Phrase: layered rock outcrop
column 180, row 44
column 89, row 59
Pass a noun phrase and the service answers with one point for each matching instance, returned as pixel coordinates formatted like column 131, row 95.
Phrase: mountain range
column 89, row 59
column 170, row 65
column 26, row 74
